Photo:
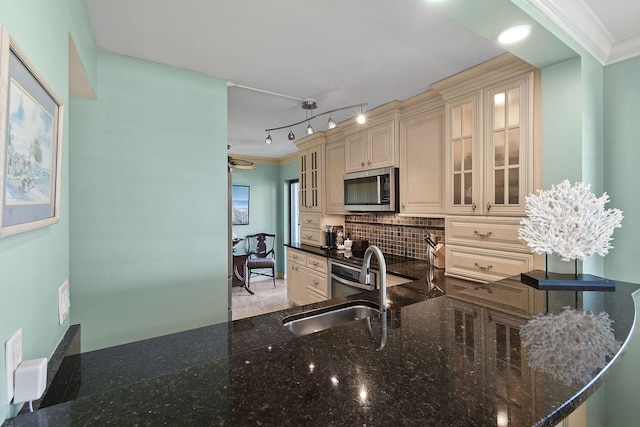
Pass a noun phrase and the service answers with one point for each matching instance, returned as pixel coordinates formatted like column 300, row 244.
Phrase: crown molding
column 580, row 23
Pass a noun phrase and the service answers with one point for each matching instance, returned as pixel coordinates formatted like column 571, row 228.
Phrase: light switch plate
column 64, row 302
column 13, row 357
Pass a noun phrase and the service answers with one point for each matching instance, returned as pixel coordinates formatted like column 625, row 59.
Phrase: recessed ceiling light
column 514, row 34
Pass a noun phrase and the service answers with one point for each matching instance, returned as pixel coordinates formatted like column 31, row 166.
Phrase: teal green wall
column 148, row 175
column 268, row 203
column 288, row 172
column 621, row 130
column 35, row 263
column 620, row 160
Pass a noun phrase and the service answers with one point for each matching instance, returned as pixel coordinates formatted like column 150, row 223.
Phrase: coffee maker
column 334, row 236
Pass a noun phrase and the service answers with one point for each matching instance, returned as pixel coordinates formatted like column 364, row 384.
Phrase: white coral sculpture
column 570, row 345
column 570, row 221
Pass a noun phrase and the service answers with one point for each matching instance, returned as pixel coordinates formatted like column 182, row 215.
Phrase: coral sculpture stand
column 544, row 280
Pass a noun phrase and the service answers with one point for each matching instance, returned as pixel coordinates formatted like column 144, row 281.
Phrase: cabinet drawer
column 310, row 219
column 317, row 283
column 297, row 257
column 314, row 297
column 311, row 236
column 486, row 265
column 506, row 295
column 317, row 263
column 498, row 233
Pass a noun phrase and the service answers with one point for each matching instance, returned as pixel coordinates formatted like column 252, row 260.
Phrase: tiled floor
column 266, row 299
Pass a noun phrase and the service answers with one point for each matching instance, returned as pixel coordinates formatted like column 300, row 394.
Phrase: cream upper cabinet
column 490, row 149
column 463, row 153
column 371, row 149
column 490, row 137
column 311, row 178
column 313, row 172
column 422, row 164
column 509, row 146
column 334, row 171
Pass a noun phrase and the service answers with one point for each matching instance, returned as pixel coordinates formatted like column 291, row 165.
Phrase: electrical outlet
column 13, row 357
column 64, row 303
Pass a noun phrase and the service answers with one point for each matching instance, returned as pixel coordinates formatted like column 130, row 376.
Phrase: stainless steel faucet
column 365, row 277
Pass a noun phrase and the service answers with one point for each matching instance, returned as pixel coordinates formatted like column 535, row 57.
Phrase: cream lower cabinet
column 306, row 277
column 296, row 276
column 422, row 164
column 484, row 249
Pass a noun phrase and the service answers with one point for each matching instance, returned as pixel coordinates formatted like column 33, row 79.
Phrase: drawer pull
column 309, row 220
column 482, row 236
column 487, row 268
column 488, row 206
column 316, row 263
column 473, row 206
column 316, row 283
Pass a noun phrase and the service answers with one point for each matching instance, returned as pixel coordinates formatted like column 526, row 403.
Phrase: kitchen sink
column 329, row 317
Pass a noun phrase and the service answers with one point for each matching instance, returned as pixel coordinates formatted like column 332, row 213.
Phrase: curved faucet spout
column 365, row 274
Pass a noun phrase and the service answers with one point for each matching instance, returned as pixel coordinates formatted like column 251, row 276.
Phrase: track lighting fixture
column 331, row 123
column 361, row 119
column 268, row 140
column 310, row 105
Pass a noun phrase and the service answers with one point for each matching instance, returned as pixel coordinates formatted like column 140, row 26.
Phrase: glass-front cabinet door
column 508, row 141
column 310, row 179
column 463, row 155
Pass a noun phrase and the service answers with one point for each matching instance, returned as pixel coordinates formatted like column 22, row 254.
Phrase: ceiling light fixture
column 514, row 34
column 310, row 105
column 268, row 140
column 361, row 119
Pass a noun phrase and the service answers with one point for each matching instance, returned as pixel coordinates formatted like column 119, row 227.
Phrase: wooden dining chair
column 261, row 256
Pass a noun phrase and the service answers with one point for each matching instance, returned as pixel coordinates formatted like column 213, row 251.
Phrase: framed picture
column 240, row 205
column 30, row 143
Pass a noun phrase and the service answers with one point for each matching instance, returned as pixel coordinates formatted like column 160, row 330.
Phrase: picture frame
column 31, row 123
column 240, row 205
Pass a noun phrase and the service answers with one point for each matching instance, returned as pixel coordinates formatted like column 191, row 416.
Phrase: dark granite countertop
column 446, row 362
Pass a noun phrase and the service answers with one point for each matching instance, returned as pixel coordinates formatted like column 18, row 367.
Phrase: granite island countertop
column 446, row 362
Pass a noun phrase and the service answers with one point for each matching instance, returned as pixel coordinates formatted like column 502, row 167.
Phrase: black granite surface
column 256, row 372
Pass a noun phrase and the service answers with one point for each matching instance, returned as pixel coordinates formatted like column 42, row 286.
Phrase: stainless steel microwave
column 373, row 190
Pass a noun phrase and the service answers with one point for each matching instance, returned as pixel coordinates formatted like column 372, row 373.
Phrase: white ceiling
column 337, row 52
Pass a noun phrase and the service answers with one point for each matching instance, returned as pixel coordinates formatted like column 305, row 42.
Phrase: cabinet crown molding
column 311, row 140
column 482, row 75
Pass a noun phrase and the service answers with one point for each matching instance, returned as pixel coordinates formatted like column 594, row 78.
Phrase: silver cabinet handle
column 403, row 206
column 368, row 162
column 482, row 236
column 488, row 206
column 362, row 164
column 488, row 267
column 473, row 206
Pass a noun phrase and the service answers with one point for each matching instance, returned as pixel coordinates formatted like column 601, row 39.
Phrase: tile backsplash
column 395, row 234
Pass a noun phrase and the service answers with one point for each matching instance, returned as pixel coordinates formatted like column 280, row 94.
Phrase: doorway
column 294, row 211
